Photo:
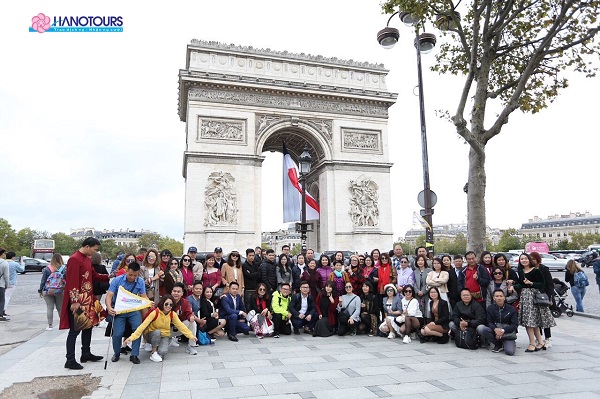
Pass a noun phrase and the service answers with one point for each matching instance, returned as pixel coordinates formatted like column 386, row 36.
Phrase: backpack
column 467, row 339
column 55, row 283
column 581, row 280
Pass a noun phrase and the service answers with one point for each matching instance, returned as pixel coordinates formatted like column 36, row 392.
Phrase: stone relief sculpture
column 222, row 130
column 360, row 140
column 325, row 126
column 220, row 200
column 364, row 202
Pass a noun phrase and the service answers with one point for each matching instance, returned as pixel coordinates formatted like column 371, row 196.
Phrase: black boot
column 88, row 357
column 443, row 339
column 73, row 365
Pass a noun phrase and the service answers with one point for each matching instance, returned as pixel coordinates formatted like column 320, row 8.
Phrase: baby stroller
column 561, row 292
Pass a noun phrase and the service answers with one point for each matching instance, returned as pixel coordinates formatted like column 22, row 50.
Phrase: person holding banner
column 158, row 322
column 123, row 303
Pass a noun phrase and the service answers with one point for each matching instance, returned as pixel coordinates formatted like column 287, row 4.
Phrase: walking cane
column 109, row 342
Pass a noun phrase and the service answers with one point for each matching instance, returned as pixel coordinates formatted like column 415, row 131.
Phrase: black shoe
column 125, row 350
column 73, row 365
column 134, row 359
column 90, row 358
column 115, row 358
column 296, row 331
column 498, row 348
column 232, row 338
column 247, row 333
column 443, row 339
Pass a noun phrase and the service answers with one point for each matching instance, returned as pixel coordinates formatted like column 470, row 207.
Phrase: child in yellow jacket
column 158, row 322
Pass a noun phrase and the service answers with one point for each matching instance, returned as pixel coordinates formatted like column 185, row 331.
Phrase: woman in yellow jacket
column 158, row 322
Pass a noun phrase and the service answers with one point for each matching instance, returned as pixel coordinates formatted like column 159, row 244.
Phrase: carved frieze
column 364, row 202
column 229, row 130
column 220, row 200
column 360, row 140
column 264, row 121
column 286, row 101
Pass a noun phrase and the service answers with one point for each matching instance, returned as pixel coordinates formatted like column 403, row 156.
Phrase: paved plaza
column 300, row 366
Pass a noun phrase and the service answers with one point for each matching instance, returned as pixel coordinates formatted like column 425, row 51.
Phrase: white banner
column 127, row 302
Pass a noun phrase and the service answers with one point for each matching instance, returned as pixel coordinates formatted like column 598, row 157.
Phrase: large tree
column 514, row 55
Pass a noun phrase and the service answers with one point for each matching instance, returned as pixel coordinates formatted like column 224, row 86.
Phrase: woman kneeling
column 158, row 322
column 437, row 328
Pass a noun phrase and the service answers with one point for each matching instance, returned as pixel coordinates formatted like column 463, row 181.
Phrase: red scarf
column 384, row 276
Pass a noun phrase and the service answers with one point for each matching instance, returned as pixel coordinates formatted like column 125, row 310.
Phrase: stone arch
column 295, row 133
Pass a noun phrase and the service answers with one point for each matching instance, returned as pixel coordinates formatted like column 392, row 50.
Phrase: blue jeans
column 135, row 319
column 578, row 294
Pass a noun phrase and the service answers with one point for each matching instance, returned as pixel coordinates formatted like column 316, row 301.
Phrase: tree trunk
column 476, row 225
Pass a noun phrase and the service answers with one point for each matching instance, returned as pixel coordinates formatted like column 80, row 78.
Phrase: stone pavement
column 300, row 366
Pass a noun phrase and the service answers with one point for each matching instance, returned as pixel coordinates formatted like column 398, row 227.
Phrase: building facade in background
column 121, row 237
column 448, row 232
column 558, row 228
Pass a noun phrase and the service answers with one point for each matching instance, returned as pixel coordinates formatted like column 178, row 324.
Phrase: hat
column 218, row 249
column 192, row 249
column 392, row 286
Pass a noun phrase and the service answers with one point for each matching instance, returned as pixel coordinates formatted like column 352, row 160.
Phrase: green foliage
column 296, row 249
column 171, row 244
column 408, row 249
column 582, row 241
column 109, row 248
column 8, row 236
column 509, row 239
column 64, row 244
column 150, row 241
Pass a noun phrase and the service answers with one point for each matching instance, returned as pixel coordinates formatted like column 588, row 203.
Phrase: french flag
column 292, row 193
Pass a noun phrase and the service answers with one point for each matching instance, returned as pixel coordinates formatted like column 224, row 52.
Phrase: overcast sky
column 91, row 136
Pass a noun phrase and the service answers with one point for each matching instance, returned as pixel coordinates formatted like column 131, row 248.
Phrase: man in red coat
column 79, row 299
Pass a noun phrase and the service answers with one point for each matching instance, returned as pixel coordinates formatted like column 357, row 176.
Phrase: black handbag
column 541, row 299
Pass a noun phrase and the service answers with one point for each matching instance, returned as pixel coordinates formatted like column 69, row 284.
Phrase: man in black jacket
column 467, row 314
column 251, row 275
column 502, row 325
column 268, row 271
column 303, row 310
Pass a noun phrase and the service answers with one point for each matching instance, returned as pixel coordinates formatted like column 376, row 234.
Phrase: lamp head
column 409, row 19
column 425, row 42
column 388, row 37
column 305, row 161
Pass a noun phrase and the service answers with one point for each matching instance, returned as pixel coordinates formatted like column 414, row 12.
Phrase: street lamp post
column 424, row 43
column 305, row 163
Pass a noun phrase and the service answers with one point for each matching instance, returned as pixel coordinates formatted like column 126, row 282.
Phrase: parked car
column 552, row 262
column 33, row 265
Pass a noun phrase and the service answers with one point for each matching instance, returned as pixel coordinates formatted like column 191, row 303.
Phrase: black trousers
column 86, row 338
column 280, row 326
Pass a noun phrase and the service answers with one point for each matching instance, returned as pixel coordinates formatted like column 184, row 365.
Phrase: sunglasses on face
column 174, row 264
column 348, row 286
column 129, row 260
column 165, row 256
column 261, row 289
column 498, row 273
column 236, row 255
column 403, row 261
column 168, row 305
column 408, row 292
column 186, row 260
column 389, row 290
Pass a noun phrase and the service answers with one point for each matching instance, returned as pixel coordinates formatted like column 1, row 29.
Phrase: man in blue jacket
column 303, row 310
column 502, row 325
column 234, row 312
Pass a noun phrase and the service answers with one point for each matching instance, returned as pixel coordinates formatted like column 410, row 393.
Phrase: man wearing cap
column 219, row 261
column 191, row 252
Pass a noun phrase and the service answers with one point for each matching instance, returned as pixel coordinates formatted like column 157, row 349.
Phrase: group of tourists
column 474, row 300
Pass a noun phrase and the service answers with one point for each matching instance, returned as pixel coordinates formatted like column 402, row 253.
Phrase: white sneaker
column 155, row 357
column 103, row 324
column 148, row 347
column 174, row 342
column 406, row 339
column 191, row 350
column 391, row 335
column 548, row 343
column 49, row 328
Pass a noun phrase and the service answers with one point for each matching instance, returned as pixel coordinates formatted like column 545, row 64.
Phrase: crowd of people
column 476, row 301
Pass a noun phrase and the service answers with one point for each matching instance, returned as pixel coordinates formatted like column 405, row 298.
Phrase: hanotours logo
column 42, row 23
column 131, row 300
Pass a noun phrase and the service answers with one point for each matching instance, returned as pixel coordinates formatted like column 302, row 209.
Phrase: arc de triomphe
column 239, row 102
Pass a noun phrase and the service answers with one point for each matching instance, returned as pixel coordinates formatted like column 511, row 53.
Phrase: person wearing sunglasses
column 152, row 274
column 122, row 267
column 413, row 317
column 348, row 311
column 172, row 275
column 158, row 323
column 499, row 282
column 392, row 308
column 232, row 271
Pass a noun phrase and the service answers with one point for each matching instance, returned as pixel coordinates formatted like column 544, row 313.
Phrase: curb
column 589, row 316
